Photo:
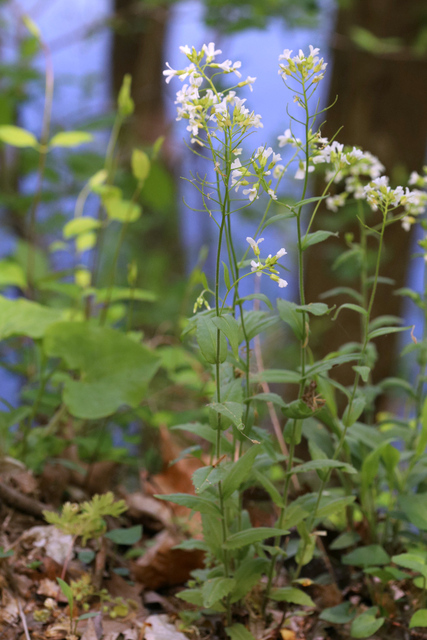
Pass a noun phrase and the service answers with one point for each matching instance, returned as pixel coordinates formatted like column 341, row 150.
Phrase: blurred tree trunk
column 139, row 34
column 382, row 106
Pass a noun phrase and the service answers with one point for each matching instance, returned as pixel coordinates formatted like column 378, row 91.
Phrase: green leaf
column 207, row 334
column 314, row 465
column 270, row 397
column 345, row 540
column 140, row 164
column 338, row 291
column 316, row 237
column 115, row 370
column 333, row 505
column 17, row 137
column 256, row 296
column 25, row 318
column 316, row 308
column 231, row 410
column 341, row 614
column 5, row 554
column 12, row 274
column 329, row 363
column 419, row 619
column 362, row 371
column 215, row 589
column 277, row 375
column 122, row 210
column 297, row 410
column 79, row 225
column 206, row 477
column 352, row 307
column 288, row 313
column 370, row 555
column 258, row 321
column 128, row 536
column 68, row 593
column 365, row 625
column 411, row 561
column 247, row 576
column 292, row 595
column 239, row 472
column 230, row 328
column 238, row 632
column 422, row 438
column 251, row 536
column 353, row 411
column 386, row 331
column 193, row 596
column 194, row 503
column 270, row 488
column 414, row 506
column 70, row 139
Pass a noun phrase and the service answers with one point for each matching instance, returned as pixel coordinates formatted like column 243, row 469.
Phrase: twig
column 22, row 503
column 24, row 621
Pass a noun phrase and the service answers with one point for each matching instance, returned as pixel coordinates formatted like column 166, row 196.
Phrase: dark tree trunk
column 382, row 106
column 139, row 35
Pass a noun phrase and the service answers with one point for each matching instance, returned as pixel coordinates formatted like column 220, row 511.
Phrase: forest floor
column 128, row 591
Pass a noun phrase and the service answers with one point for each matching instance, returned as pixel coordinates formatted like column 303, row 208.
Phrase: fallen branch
column 22, row 503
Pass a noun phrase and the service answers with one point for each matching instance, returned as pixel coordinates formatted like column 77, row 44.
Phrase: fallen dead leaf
column 163, row 566
column 48, row 539
column 151, row 513
column 90, row 632
column 159, row 628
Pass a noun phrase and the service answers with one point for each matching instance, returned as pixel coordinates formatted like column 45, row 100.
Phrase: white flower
column 252, row 193
column 407, row 222
column 236, row 152
column 280, row 253
column 210, row 51
column 186, row 50
column 169, row 73
column 282, row 283
column 228, row 67
column 278, row 171
column 254, row 244
column 272, row 194
column 255, row 266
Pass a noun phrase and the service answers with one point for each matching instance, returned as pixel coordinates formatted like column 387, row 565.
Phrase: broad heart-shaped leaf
column 203, row 505
column 79, row 225
column 70, row 139
column 122, row 210
column 365, row 625
column 17, row 137
column 238, row 632
column 411, row 561
column 239, row 471
column 207, row 335
column 341, row 614
column 115, row 370
column 363, row 371
column 251, row 536
column 230, row 328
column 216, row 589
column 293, row 595
column 369, row 556
column 289, row 314
column 25, row 318
column 419, row 619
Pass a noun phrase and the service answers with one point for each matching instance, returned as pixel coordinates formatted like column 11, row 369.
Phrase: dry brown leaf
column 9, row 609
column 48, row 540
column 51, row 589
column 163, row 566
column 151, row 513
column 90, row 632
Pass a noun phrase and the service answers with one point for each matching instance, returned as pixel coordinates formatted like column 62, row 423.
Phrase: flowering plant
column 243, row 452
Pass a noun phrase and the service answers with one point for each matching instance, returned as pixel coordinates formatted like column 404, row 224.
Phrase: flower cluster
column 269, row 264
column 204, row 106
column 380, row 196
column 262, row 162
column 308, row 68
